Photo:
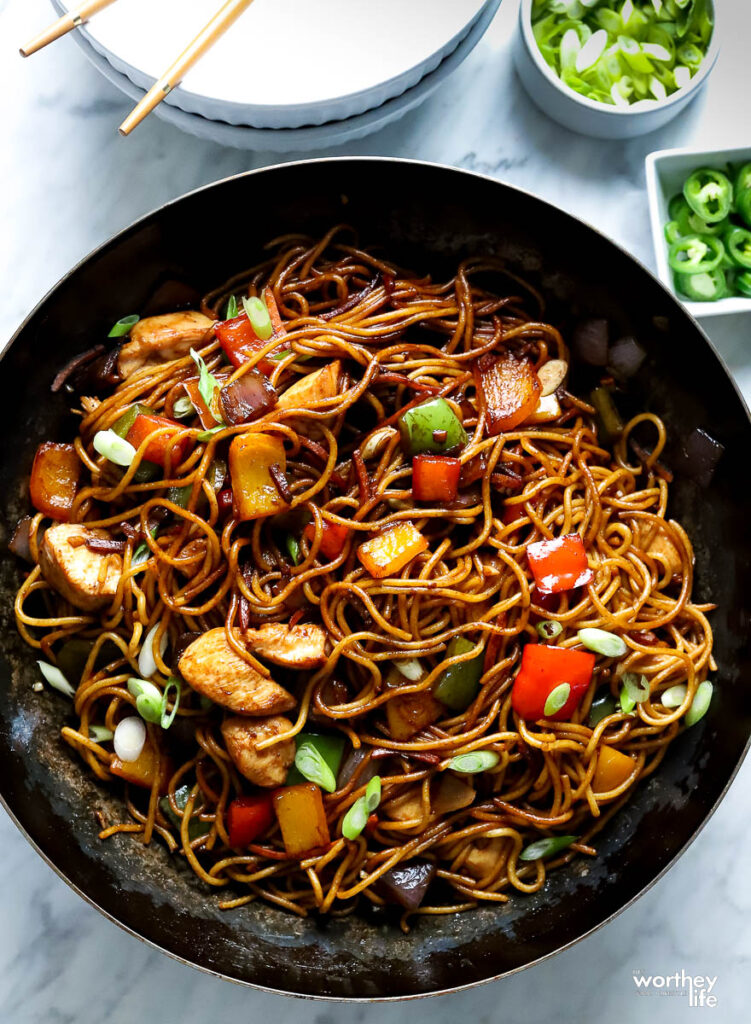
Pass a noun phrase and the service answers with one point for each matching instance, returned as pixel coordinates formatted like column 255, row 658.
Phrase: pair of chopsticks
column 222, row 20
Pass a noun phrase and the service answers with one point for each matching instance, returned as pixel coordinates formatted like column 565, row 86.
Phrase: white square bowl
column 667, row 171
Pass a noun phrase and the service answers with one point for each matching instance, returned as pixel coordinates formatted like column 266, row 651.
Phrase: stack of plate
column 289, row 75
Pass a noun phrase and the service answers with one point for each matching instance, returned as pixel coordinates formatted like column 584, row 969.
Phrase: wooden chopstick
column 172, row 77
column 64, row 25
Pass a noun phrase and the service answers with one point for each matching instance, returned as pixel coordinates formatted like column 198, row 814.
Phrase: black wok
column 429, row 218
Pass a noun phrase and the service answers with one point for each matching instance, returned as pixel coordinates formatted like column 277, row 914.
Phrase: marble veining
column 67, row 183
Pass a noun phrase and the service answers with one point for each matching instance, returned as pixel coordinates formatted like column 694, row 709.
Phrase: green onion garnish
column 474, row 762
column 115, row 449
column 636, row 686
column 311, row 765
column 700, row 703
column 258, row 314
column 549, row 629
column 123, row 326
column 167, row 718
column 293, row 547
column 208, row 385
column 627, row 702
column 231, row 311
column 182, row 408
column 148, row 699
column 206, row 435
column 544, row 848
column 357, row 816
column 100, row 734
column 674, row 696
column 56, row 679
column 601, row 642
column 557, row 699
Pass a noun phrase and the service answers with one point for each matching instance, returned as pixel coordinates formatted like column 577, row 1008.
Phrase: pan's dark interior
column 429, row 218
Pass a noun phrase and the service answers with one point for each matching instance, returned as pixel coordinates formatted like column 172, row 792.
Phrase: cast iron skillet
column 430, row 218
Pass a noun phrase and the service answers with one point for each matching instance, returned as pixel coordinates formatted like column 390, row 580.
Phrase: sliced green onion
column 293, row 548
column 549, row 629
column 557, row 699
column 544, row 848
column 56, row 679
column 146, row 659
column 636, row 686
column 123, row 326
column 474, row 762
column 674, row 696
column 129, row 738
column 357, row 816
column 141, row 555
column 115, row 449
column 100, row 734
column 258, row 314
column 183, row 408
column 167, row 718
column 206, row 435
column 601, row 642
column 700, row 703
column 627, row 702
column 208, row 385
column 148, row 699
column 311, row 764
column 592, row 50
column 231, row 311
column 410, row 668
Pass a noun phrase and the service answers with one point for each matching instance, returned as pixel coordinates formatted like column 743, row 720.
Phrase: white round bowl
column 588, row 116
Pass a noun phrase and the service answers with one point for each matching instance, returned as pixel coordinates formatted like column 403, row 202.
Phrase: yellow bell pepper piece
column 251, row 457
column 388, row 552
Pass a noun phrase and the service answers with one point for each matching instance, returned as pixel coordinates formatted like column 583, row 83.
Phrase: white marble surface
column 67, row 182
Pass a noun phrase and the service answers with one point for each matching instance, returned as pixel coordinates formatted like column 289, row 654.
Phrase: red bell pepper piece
column 240, row 342
column 542, row 670
column 209, row 417
column 54, row 480
column 333, row 538
column 248, row 817
column 156, row 450
column 559, row 564
column 225, row 501
column 435, row 477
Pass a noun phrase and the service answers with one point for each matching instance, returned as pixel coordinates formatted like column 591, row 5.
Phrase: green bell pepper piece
column 602, row 705
column 196, row 827
column 609, row 422
column 419, row 426
column 329, row 745
column 460, row 683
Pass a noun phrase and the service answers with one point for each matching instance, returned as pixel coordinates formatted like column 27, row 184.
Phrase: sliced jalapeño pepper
column 743, row 179
column 690, row 223
column 696, row 255
column 738, row 242
column 702, row 287
column 743, row 283
column 743, row 205
column 709, row 193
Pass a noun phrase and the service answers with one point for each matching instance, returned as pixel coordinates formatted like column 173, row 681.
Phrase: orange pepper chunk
column 251, row 457
column 333, row 538
column 302, row 819
column 388, row 552
column 507, row 389
column 142, row 771
column 54, row 480
column 613, row 768
column 164, row 444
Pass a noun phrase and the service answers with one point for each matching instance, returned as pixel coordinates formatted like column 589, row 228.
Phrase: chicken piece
column 213, row 668
column 302, row 646
column 406, row 807
column 452, row 794
column 660, row 546
column 483, row 857
column 314, row 387
column 263, row 767
column 85, row 578
column 159, row 339
column 409, row 714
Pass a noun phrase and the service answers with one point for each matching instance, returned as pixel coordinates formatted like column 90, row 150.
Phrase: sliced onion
column 625, row 357
column 698, row 457
column 146, row 660
column 130, row 737
column 247, row 398
column 114, row 448
column 591, row 342
column 56, row 679
column 410, row 668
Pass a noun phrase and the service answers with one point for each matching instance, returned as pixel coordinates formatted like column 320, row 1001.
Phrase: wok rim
column 472, row 175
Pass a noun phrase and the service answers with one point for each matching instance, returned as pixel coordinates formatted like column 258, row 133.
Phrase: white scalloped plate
column 285, row 63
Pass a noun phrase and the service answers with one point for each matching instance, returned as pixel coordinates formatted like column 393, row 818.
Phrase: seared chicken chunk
column 302, row 646
column 213, row 668
column 406, row 807
column 85, row 578
column 159, row 339
column 315, row 387
column 452, row 794
column 263, row 767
